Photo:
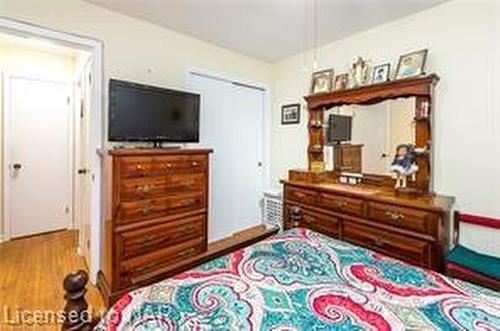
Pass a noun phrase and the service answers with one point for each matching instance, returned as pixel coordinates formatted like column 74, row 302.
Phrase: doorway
column 232, row 122
column 84, row 146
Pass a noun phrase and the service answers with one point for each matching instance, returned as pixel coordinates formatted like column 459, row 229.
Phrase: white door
column 231, row 123
column 82, row 162
column 38, row 142
column 370, row 129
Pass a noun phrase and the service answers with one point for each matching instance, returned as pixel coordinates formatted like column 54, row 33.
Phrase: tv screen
column 339, row 128
column 146, row 113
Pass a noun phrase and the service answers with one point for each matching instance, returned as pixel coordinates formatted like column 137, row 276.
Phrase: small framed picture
column 411, row 64
column 341, row 82
column 290, row 114
column 381, row 73
column 321, row 81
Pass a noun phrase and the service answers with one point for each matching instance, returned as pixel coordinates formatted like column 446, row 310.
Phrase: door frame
column 266, row 116
column 7, row 77
column 96, row 132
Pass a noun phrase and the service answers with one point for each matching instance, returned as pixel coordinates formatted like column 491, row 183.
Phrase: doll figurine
column 359, row 70
column 404, row 165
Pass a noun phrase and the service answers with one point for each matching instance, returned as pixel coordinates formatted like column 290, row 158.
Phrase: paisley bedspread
column 302, row 280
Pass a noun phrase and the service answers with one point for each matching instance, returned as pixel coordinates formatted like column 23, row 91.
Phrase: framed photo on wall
column 411, row 64
column 290, row 114
column 322, row 81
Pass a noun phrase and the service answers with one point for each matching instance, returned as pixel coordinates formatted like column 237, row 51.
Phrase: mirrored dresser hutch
column 410, row 224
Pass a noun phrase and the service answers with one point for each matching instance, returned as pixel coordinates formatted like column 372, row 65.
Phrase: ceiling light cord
column 316, row 30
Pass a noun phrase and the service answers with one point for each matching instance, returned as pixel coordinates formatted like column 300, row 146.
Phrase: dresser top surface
column 157, row 151
column 437, row 203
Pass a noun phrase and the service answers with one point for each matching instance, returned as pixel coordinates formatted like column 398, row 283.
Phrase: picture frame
column 341, row 82
column 322, row 81
column 411, row 64
column 290, row 114
column 381, row 73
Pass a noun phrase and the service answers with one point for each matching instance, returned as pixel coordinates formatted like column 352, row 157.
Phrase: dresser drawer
column 405, row 248
column 301, row 195
column 194, row 182
column 411, row 219
column 181, row 164
column 131, row 166
column 342, row 204
column 138, row 269
column 320, row 223
column 136, row 211
column 137, row 242
column 315, row 221
column 142, row 188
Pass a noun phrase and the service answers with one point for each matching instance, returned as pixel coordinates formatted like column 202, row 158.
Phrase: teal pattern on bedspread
column 302, row 280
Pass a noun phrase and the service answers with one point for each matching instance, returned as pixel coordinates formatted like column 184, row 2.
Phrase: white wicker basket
column 273, row 209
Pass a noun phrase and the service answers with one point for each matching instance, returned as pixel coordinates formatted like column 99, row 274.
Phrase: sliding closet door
column 231, row 124
column 248, row 107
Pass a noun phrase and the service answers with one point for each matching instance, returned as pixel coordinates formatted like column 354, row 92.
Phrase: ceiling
column 267, row 29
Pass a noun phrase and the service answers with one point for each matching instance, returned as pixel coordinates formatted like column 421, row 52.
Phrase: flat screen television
column 339, row 128
column 147, row 113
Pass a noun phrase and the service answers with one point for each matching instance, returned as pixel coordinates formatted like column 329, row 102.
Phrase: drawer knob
column 147, row 210
column 339, row 204
column 143, row 188
column 139, row 167
column 146, row 239
column 394, row 216
column 295, row 216
column 168, row 166
column 194, row 164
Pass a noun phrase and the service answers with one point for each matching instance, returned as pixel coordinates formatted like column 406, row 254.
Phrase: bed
column 302, row 280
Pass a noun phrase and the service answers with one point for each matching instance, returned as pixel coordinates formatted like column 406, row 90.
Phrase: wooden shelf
column 375, row 93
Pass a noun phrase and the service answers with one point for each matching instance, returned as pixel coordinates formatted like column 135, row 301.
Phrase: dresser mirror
column 375, row 132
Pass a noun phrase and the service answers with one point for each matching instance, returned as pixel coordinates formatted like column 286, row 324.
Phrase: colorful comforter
column 302, row 280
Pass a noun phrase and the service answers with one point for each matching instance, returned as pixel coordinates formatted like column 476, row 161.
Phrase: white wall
column 133, row 49
column 25, row 61
column 462, row 37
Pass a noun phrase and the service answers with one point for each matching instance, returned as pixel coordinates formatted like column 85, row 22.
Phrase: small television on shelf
column 339, row 128
column 140, row 112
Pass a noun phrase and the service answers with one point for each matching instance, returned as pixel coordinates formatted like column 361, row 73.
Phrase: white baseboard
column 2, row 238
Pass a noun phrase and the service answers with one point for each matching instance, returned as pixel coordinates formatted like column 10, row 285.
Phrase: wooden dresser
column 413, row 230
column 155, row 209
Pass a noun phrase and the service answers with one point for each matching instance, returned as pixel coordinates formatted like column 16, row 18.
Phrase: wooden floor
column 31, row 273
column 32, row 270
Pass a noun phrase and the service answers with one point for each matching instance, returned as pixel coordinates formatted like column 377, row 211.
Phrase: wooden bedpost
column 77, row 317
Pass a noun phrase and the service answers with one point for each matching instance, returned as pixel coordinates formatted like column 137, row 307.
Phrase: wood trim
column 472, row 276
column 456, row 228
column 489, row 222
column 370, row 94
